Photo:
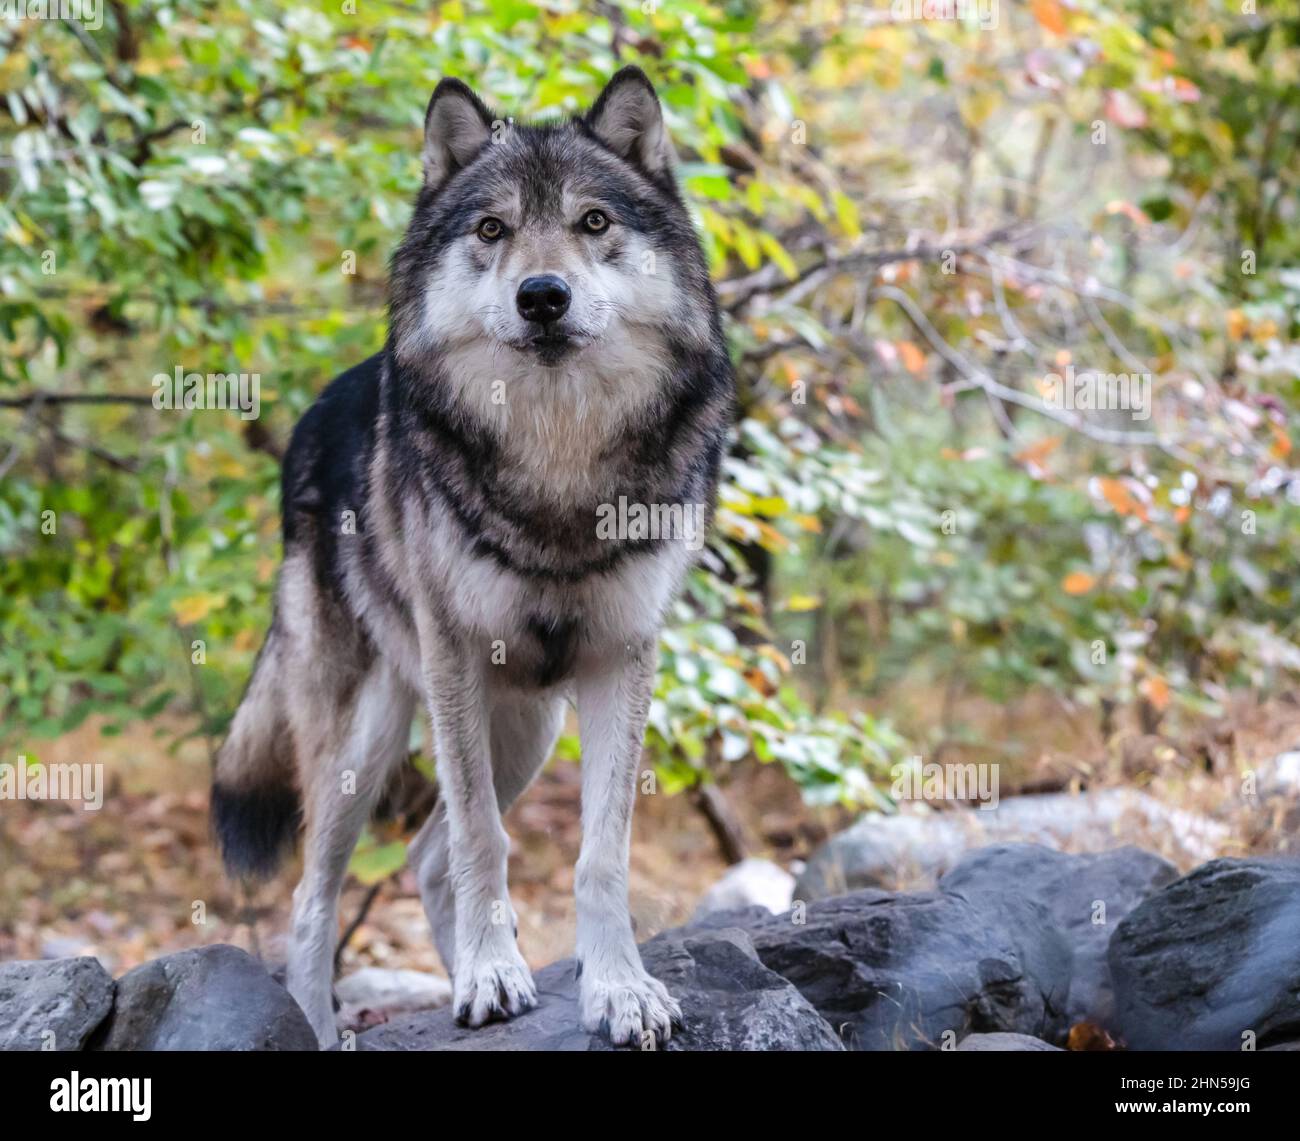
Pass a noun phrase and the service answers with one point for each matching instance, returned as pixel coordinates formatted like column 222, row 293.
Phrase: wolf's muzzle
column 543, row 298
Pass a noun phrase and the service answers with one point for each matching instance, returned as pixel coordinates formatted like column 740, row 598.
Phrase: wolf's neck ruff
column 524, row 487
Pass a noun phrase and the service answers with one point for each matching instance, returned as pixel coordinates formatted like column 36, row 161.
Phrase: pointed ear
column 456, row 127
column 628, row 120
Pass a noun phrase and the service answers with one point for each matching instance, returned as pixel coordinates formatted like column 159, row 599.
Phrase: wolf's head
column 541, row 247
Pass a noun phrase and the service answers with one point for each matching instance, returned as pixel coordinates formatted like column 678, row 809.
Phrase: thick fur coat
column 554, row 349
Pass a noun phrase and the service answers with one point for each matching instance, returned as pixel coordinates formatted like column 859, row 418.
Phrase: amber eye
column 490, row 229
column 596, row 222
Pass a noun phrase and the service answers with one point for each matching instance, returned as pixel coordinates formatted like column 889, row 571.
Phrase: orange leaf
column 1039, row 450
column 1120, row 498
column 1089, row 1036
column 1156, row 690
column 913, row 357
column 1048, row 13
column 1281, row 442
column 1078, row 582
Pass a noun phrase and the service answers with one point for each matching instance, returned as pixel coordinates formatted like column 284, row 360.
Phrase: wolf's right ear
column 456, row 127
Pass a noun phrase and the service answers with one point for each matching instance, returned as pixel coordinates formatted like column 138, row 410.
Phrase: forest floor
column 128, row 882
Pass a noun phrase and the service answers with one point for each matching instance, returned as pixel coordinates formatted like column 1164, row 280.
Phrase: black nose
column 543, row 298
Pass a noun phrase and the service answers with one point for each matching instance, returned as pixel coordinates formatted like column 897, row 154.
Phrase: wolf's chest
column 536, row 630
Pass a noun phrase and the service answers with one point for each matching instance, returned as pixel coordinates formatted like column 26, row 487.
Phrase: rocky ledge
column 1018, row 947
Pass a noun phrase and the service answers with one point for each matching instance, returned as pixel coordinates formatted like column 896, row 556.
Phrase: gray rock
column 913, row 849
column 742, row 917
column 66, row 998
column 729, row 1001
column 1212, row 956
column 889, row 852
column 751, row 882
column 1079, row 890
column 897, row 970
column 210, row 998
column 998, row 1042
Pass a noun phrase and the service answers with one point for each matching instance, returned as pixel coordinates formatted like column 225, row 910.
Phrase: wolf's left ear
column 456, row 127
column 628, row 120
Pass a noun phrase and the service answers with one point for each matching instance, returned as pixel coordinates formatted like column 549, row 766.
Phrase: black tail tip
column 255, row 828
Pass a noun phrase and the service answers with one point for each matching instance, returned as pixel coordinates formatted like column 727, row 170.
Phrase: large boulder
column 913, row 849
column 1212, row 958
column 1087, row 895
column 52, row 1005
column 210, row 998
column 729, row 1001
column 915, row 971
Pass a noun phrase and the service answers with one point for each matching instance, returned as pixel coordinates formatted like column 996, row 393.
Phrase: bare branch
column 738, row 292
column 55, row 398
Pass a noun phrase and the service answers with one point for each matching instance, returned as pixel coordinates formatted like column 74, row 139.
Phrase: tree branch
column 57, row 398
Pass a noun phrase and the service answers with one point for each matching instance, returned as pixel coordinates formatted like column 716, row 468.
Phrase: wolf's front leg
column 490, row 979
column 616, row 992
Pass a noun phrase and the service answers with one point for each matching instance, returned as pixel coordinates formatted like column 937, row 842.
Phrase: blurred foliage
column 913, row 222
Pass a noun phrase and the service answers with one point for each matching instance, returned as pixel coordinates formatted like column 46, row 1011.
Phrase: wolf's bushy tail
column 255, row 802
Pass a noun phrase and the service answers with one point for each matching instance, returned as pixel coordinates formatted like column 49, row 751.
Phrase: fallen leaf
column 1089, row 1036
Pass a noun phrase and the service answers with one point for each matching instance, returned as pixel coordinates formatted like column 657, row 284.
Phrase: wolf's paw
column 493, row 990
column 628, row 1002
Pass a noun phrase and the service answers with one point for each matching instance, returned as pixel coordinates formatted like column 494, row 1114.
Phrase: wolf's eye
column 596, row 222
column 490, row 229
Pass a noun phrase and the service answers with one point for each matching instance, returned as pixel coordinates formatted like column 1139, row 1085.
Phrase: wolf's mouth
column 552, row 345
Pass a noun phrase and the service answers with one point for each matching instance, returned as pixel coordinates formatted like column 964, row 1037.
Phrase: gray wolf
column 554, row 348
